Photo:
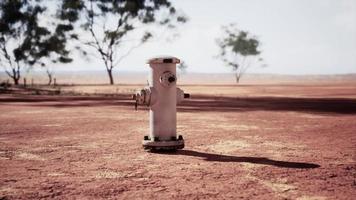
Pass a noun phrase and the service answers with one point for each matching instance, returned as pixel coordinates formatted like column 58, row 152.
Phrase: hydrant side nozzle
column 144, row 97
column 186, row 95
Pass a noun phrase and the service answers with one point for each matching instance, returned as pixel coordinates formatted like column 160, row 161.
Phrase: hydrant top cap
column 163, row 59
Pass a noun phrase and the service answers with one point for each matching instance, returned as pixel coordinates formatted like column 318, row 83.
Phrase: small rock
column 332, row 176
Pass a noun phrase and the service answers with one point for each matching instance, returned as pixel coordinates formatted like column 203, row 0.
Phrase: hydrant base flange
column 163, row 145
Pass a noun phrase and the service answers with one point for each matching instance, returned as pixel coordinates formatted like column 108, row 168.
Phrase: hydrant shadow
column 255, row 160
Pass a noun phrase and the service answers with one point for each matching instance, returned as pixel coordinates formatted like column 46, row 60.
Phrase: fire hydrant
column 162, row 96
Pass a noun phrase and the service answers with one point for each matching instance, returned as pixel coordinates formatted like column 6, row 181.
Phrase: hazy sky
column 298, row 36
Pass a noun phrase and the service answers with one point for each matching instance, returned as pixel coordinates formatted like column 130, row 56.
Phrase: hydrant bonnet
column 163, row 59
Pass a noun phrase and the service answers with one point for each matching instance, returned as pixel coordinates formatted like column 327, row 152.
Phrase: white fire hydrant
column 162, row 96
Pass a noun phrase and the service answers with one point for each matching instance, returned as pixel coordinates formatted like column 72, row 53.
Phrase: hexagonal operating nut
column 168, row 79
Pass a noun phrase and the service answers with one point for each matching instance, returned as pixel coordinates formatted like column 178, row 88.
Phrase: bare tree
column 110, row 22
column 239, row 50
column 182, row 67
column 24, row 41
column 49, row 75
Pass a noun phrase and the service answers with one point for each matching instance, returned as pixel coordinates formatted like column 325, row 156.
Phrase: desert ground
column 247, row 141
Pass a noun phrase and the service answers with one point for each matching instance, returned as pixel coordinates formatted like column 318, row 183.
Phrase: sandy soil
column 247, row 142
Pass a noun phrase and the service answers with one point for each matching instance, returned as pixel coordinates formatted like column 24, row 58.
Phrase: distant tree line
column 25, row 42
column 40, row 33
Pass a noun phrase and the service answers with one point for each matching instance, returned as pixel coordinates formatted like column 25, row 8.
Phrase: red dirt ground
column 248, row 142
